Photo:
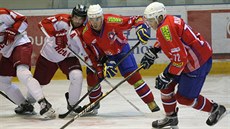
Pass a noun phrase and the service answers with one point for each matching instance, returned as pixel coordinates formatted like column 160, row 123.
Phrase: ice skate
column 46, row 111
column 77, row 109
column 168, row 122
column 153, row 106
column 93, row 111
column 25, row 108
column 217, row 113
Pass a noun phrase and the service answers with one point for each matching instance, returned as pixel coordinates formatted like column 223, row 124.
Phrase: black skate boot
column 153, row 106
column 25, row 108
column 77, row 109
column 46, row 111
column 168, row 121
column 217, row 113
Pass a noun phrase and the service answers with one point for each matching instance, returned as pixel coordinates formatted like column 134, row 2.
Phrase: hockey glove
column 61, row 38
column 163, row 80
column 142, row 33
column 99, row 71
column 10, row 34
column 110, row 69
column 103, row 59
column 149, row 58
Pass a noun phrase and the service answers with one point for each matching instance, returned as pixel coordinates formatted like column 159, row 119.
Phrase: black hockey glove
column 149, row 58
column 163, row 80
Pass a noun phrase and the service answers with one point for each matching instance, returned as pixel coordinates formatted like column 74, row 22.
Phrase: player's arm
column 150, row 56
column 19, row 25
column 48, row 25
column 175, row 52
column 141, row 27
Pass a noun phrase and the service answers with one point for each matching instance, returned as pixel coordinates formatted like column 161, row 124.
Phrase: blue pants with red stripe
column 128, row 64
column 190, row 84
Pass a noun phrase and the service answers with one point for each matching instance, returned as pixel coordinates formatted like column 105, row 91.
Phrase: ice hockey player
column 16, row 50
column 190, row 62
column 63, row 30
column 103, row 35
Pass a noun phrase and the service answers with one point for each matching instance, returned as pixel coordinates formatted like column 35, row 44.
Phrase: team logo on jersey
column 114, row 20
column 73, row 34
column 84, row 30
column 166, row 33
column 177, row 64
column 111, row 35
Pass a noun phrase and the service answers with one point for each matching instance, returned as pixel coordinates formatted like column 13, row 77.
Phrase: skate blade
column 73, row 113
column 168, row 127
column 222, row 116
column 49, row 115
column 28, row 113
column 94, row 113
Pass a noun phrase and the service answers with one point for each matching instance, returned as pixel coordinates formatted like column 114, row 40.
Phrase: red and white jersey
column 11, row 19
column 111, row 38
column 186, row 49
column 49, row 27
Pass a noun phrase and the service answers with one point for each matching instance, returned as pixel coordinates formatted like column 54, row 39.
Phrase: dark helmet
column 79, row 10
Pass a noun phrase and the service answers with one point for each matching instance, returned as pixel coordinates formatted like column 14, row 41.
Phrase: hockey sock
column 75, row 87
column 168, row 99
column 142, row 89
column 95, row 94
column 203, row 104
column 92, row 80
column 24, row 75
column 11, row 90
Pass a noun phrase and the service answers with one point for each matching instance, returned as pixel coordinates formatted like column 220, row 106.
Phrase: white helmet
column 94, row 11
column 154, row 10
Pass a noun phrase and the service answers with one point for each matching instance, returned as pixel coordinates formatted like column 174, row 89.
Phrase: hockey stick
column 124, row 97
column 4, row 95
column 85, row 95
column 92, row 69
column 102, row 97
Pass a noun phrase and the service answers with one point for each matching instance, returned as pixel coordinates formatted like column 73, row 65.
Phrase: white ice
column 115, row 111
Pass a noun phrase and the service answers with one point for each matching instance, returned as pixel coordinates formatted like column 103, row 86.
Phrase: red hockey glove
column 10, row 34
column 99, row 71
column 61, row 38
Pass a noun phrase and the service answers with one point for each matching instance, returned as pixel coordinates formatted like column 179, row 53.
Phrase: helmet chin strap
column 157, row 21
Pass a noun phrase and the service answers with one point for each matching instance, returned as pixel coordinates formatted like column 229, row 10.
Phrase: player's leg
column 169, row 103
column 71, row 67
column 12, row 91
column 189, row 89
column 141, row 87
column 44, row 72
column 22, row 59
column 92, row 80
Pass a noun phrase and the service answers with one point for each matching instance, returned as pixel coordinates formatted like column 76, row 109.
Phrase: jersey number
column 176, row 57
column 194, row 35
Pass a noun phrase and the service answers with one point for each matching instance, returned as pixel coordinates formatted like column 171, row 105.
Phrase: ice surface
column 115, row 111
